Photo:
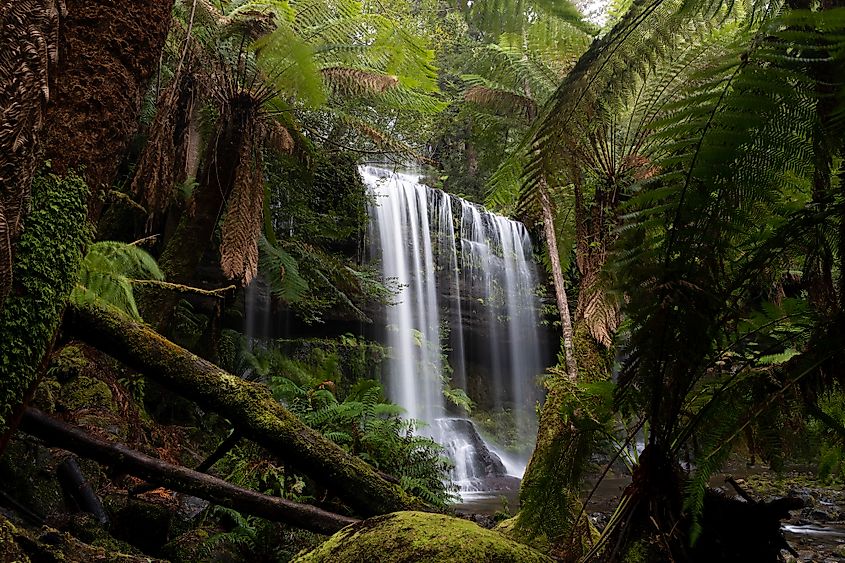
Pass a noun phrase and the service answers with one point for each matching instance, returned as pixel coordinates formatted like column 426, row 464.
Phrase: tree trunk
column 181, row 479
column 558, row 281
column 249, row 407
column 108, row 52
column 47, row 261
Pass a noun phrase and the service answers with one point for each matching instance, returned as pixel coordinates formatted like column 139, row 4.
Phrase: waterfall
column 413, row 330
column 466, row 304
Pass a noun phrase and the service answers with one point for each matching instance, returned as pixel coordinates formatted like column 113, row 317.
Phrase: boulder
column 420, row 537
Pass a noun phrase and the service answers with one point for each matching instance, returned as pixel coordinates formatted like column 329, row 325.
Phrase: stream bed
column 816, row 533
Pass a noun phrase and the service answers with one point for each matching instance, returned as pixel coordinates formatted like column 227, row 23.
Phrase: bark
column 181, row 479
column 558, row 281
column 248, row 406
column 79, row 489
column 108, row 52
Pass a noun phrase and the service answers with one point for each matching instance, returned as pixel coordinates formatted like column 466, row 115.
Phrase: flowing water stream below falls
column 466, row 316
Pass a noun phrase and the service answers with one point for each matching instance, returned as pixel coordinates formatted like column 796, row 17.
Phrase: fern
column 108, row 272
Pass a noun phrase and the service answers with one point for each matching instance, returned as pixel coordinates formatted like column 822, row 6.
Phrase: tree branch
column 181, row 479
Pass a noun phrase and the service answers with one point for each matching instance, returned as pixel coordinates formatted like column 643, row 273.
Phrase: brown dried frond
column 277, row 137
column 29, row 36
column 502, row 102
column 601, row 315
column 640, row 167
column 5, row 256
column 242, row 224
column 353, row 81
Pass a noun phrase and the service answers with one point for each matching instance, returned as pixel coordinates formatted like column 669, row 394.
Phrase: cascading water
column 472, row 271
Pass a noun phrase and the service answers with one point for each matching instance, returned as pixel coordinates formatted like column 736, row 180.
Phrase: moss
column 594, row 360
column 28, row 474
column 87, row 392
column 190, row 546
column 146, row 525
column 420, row 537
column 550, row 487
column 509, row 528
column 9, row 549
column 68, row 363
column 46, row 395
column 51, row 546
column 46, row 262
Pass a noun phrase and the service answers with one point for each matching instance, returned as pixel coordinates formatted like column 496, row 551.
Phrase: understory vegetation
column 191, row 356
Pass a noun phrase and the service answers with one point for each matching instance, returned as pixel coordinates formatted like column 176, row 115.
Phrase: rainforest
column 395, row 281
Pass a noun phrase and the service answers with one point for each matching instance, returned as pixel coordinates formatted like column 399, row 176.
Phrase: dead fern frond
column 601, row 315
column 29, row 34
column 277, row 136
column 353, row 81
column 172, row 148
column 242, row 224
column 502, row 102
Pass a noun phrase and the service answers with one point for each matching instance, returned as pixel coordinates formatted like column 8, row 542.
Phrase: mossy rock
column 143, row 524
column 28, row 474
column 68, row 363
column 10, row 551
column 48, row 545
column 190, row 546
column 86, row 392
column 420, row 537
column 47, row 394
column 509, row 529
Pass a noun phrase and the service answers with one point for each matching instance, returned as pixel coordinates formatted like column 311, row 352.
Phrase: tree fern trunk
column 108, row 52
column 27, row 29
column 235, row 135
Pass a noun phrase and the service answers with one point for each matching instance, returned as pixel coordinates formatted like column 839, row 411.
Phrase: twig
column 218, row 293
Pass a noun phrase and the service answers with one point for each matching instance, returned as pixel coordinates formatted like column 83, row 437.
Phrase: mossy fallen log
column 181, row 479
column 248, row 406
column 419, row 537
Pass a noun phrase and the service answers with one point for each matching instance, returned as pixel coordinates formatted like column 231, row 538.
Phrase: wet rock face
column 460, row 432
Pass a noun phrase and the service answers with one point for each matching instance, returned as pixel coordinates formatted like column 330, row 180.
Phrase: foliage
column 316, row 217
column 366, row 425
column 108, row 272
column 715, row 346
column 48, row 256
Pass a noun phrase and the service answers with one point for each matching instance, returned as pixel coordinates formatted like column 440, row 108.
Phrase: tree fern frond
column 107, row 272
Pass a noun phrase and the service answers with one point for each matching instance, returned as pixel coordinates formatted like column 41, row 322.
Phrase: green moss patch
column 420, row 537
column 46, row 264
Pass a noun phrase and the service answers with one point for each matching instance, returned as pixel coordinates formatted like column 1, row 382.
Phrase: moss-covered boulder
column 10, row 551
column 420, row 537
column 20, row 545
column 86, row 392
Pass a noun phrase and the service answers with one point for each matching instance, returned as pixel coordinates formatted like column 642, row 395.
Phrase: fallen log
column 80, row 490
column 248, row 406
column 180, row 479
